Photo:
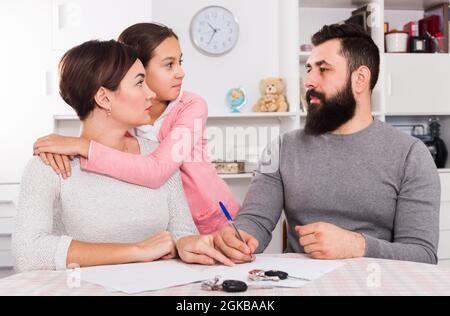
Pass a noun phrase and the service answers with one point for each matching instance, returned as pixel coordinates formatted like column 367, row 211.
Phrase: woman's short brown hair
column 145, row 38
column 86, row 68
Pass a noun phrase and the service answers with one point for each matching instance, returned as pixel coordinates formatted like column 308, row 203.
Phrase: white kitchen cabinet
column 444, row 246
column 5, row 243
column 25, row 109
column 6, row 259
column 444, row 227
column 76, row 21
column 8, row 204
column 445, row 200
column 417, row 84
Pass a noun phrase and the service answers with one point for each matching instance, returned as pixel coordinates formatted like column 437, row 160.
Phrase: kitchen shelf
column 419, row 114
column 236, row 176
column 388, row 4
column 304, row 114
column 65, row 118
column 332, row 3
column 212, row 116
column 411, row 4
column 253, row 115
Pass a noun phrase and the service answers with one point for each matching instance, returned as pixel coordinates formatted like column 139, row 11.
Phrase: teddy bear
column 272, row 96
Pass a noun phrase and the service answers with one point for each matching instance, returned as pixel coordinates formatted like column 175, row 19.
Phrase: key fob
column 234, row 286
column 280, row 274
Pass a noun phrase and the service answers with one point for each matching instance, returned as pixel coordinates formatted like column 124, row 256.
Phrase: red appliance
column 429, row 26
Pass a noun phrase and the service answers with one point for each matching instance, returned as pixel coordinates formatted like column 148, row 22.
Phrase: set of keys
column 232, row 286
column 271, row 275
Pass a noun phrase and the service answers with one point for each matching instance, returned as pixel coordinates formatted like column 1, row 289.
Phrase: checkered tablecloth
column 362, row 276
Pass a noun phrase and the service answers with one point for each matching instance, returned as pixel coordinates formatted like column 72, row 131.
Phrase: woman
column 178, row 121
column 91, row 219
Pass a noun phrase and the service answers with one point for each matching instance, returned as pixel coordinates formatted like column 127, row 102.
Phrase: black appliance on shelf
column 433, row 141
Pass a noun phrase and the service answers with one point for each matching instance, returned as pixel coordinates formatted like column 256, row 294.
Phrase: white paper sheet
column 302, row 268
column 141, row 277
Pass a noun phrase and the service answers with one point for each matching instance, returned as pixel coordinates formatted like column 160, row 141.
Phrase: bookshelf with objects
column 417, row 88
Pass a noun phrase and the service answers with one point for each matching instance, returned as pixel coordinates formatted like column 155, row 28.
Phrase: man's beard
column 331, row 113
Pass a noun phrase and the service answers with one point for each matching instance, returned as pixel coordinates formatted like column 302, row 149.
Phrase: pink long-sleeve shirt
column 182, row 146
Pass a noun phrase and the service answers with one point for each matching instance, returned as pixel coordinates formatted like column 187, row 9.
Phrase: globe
column 236, row 99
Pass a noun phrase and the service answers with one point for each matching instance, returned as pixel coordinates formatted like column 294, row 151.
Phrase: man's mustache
column 314, row 93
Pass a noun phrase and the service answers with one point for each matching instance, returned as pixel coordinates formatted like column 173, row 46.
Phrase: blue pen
column 230, row 220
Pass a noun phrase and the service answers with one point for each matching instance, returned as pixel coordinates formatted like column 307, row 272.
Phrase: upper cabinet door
column 77, row 21
column 417, row 84
column 26, row 41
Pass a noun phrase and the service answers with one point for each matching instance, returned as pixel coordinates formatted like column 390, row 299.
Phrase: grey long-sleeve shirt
column 93, row 208
column 379, row 182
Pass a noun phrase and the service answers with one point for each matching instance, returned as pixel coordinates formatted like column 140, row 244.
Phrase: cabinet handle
column 389, row 84
column 69, row 15
column 49, row 83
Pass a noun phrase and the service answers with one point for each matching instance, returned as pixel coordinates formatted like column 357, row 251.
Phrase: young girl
column 178, row 122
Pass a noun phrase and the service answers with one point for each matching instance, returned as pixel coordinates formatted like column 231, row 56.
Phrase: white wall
column 312, row 20
column 255, row 56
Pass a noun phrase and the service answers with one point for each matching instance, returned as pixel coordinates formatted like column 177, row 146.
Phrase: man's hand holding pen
column 228, row 242
column 236, row 244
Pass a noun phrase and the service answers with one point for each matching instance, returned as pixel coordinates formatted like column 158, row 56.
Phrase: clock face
column 214, row 31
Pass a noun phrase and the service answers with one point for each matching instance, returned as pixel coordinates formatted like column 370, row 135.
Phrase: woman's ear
column 361, row 79
column 103, row 99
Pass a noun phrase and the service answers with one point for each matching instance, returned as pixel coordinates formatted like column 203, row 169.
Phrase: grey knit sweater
column 91, row 208
column 379, row 182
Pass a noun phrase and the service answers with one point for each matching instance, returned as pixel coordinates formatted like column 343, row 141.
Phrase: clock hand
column 212, row 27
column 212, row 36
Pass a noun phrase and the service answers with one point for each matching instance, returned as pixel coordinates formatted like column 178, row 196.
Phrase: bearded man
column 350, row 185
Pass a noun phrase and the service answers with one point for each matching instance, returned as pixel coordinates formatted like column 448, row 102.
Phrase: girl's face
column 131, row 103
column 164, row 71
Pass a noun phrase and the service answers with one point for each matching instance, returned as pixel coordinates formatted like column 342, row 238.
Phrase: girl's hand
column 62, row 145
column 59, row 163
column 200, row 249
column 159, row 246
